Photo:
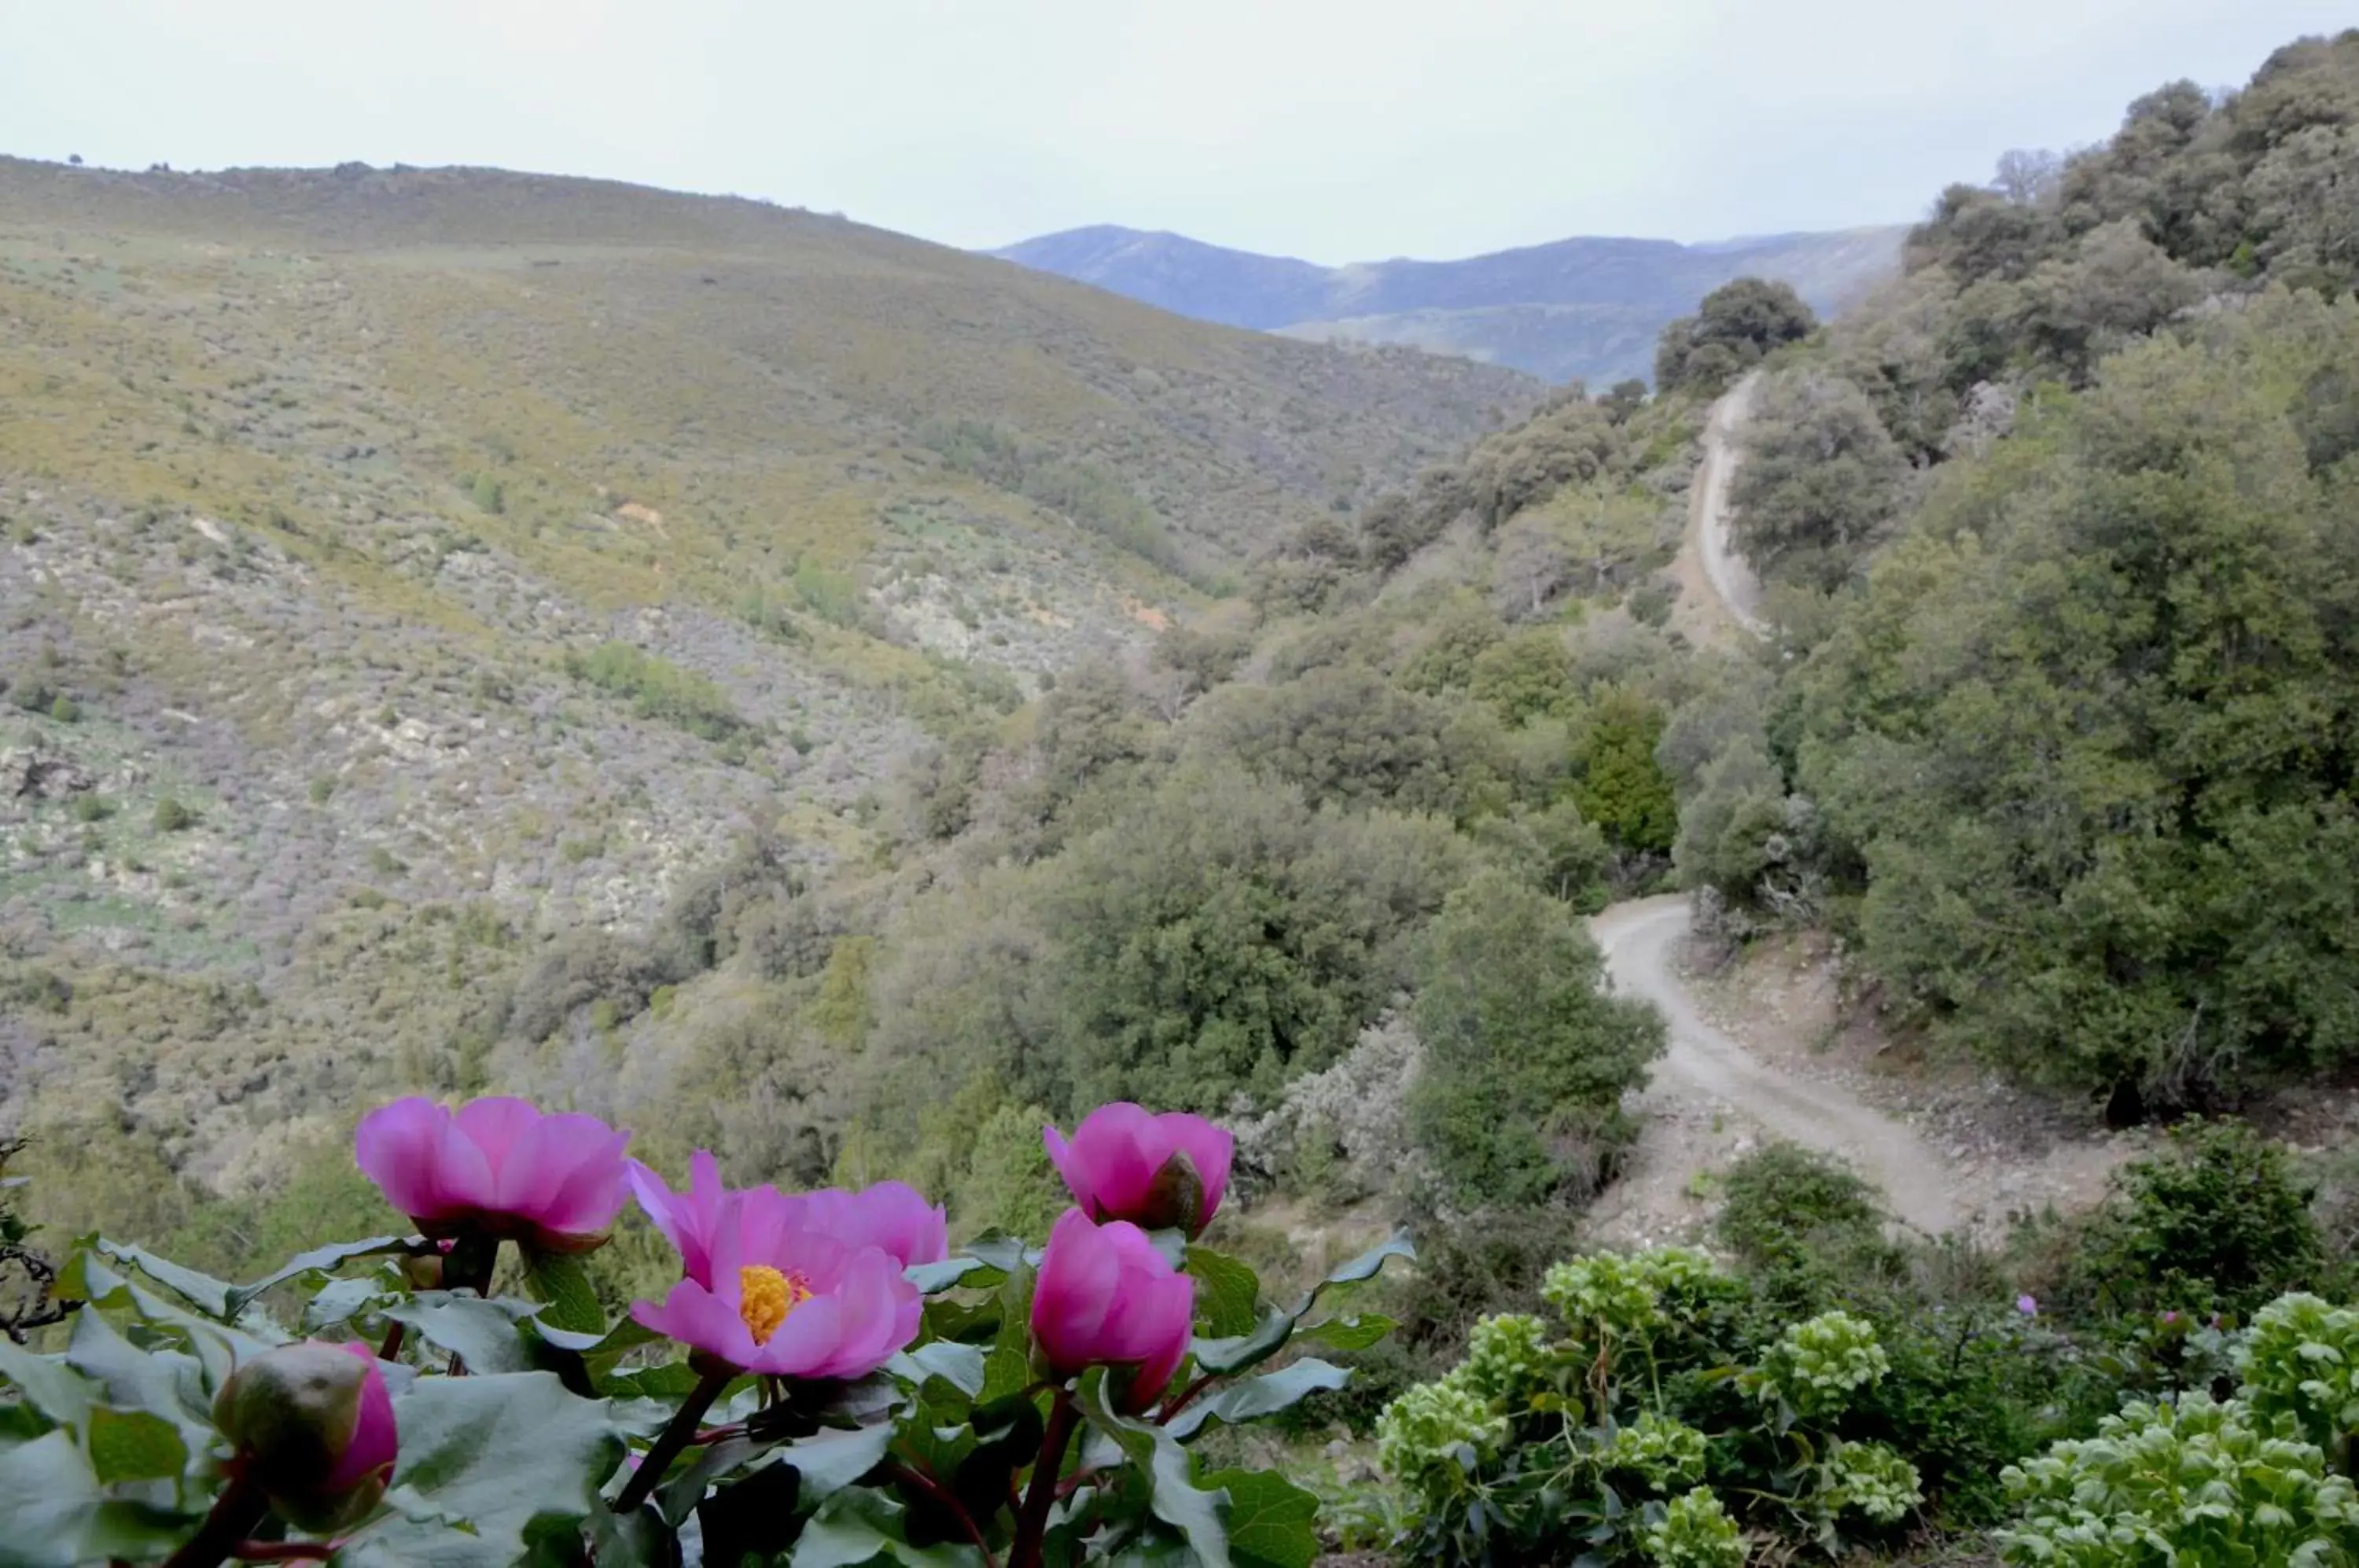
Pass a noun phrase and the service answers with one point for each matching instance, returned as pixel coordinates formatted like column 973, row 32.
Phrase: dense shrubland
column 2062, row 541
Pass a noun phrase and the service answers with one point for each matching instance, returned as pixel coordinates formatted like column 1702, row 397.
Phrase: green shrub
column 1694, row 1531
column 2301, row 1362
column 65, row 711
column 92, row 808
column 2217, row 1222
column 173, row 817
column 658, row 689
column 2190, row 1483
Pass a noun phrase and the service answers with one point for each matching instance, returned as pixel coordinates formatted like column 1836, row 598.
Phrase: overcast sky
column 1337, row 130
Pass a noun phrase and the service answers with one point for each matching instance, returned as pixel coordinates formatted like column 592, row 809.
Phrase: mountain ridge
column 1586, row 308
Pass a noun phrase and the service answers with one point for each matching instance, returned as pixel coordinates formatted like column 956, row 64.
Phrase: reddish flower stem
column 676, row 1437
column 284, row 1551
column 234, row 1514
column 1032, row 1524
column 391, row 1349
column 911, row 1475
column 1183, row 1399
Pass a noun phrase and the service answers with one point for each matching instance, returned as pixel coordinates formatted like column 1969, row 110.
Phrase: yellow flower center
column 765, row 1297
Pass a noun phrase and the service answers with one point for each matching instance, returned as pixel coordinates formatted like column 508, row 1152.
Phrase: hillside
column 400, row 568
column 1580, row 308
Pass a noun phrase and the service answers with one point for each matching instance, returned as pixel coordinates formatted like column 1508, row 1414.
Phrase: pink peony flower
column 689, row 1220
column 783, row 1300
column 497, row 1166
column 1127, row 1163
column 890, row 1214
column 312, row 1423
column 1106, row 1297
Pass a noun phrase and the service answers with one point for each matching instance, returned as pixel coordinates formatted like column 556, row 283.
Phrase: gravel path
column 1640, row 941
column 1734, row 582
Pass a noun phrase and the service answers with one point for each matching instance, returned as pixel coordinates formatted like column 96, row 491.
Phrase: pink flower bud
column 1127, row 1163
column 497, row 1167
column 1106, row 1297
column 312, row 1424
column 2027, row 1305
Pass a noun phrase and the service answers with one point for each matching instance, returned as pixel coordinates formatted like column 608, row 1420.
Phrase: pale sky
column 1337, row 130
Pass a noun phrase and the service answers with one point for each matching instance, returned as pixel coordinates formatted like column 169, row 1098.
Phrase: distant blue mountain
column 1578, row 308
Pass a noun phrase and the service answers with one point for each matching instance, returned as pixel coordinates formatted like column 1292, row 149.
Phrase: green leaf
column 1363, row 1267
column 831, row 1460
column 1273, row 1523
column 215, row 1344
column 162, row 1382
column 569, row 1302
column 341, row 1301
column 134, row 1445
column 1239, row 1352
column 49, row 1386
column 1227, row 1292
column 962, row 1365
column 319, row 1260
column 488, row 1465
column 1173, row 1495
column 483, row 1334
column 932, row 1279
column 1235, row 1352
column 1258, row 1397
column 1356, row 1332
column 55, row 1516
column 857, row 1526
column 209, row 1295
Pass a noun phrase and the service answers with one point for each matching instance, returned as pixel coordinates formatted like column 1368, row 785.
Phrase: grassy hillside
column 399, row 569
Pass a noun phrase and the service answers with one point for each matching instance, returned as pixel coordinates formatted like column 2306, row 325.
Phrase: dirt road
column 1709, row 561
column 1641, row 940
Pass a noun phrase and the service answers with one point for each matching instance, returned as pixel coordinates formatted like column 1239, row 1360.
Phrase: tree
column 1620, row 786
column 2086, row 740
column 1737, row 325
column 1527, row 1059
column 1821, row 480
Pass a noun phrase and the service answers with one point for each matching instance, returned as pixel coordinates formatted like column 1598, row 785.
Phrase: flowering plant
column 825, row 1381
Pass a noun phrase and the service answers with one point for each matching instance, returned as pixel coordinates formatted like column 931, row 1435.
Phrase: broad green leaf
column 341, row 1301
column 488, row 1464
column 164, row 1382
column 1235, row 1352
column 209, row 1295
column 50, row 1386
column 1366, row 1265
column 962, row 1365
column 932, row 1278
column 1227, row 1292
column 1238, row 1352
column 831, row 1460
column 483, row 1334
column 569, row 1300
column 858, row 1526
column 319, row 1260
column 1356, row 1332
column 1173, row 1495
column 54, row 1515
column 1008, row 1254
column 1258, row 1397
column 1272, row 1522
column 935, row 1435
column 134, row 1445
column 220, row 1347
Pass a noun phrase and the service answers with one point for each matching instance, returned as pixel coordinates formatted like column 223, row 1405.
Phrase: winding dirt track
column 1732, row 580
column 1640, row 939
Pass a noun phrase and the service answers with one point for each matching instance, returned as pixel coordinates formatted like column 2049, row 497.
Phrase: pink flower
column 312, row 1424
column 497, row 1166
column 890, row 1214
column 689, row 1220
column 2027, row 1305
column 1127, row 1163
column 783, row 1300
column 1106, row 1297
